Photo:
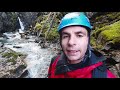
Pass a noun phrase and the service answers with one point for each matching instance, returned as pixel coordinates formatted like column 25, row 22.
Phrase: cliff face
column 9, row 20
column 106, row 31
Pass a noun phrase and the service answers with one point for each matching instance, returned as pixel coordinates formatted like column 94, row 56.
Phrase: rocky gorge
column 29, row 56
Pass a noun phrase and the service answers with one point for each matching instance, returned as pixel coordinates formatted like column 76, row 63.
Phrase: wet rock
column 1, row 44
column 19, row 70
column 24, row 74
column 8, row 21
column 11, row 65
column 37, row 40
column 17, row 47
column 113, row 61
column 107, row 46
column 44, row 45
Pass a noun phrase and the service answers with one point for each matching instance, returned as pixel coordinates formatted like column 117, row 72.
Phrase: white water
column 21, row 30
column 12, row 36
column 37, row 59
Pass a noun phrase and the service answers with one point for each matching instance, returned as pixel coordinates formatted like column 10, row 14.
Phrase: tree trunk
column 39, row 32
column 51, row 24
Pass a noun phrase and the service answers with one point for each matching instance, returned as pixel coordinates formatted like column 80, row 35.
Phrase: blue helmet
column 74, row 18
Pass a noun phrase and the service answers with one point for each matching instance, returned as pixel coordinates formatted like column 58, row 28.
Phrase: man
column 77, row 60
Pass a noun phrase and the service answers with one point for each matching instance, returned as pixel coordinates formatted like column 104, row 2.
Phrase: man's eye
column 79, row 35
column 65, row 36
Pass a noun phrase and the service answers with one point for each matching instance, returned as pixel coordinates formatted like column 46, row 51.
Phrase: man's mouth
column 72, row 52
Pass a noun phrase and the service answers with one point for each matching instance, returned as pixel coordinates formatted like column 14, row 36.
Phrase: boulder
column 11, row 63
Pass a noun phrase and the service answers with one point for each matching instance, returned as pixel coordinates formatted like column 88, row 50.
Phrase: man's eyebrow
column 65, row 33
column 79, row 32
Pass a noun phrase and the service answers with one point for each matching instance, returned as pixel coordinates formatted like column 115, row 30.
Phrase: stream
column 37, row 60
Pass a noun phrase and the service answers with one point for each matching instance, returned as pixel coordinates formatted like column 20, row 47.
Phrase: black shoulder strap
column 100, row 72
column 53, row 59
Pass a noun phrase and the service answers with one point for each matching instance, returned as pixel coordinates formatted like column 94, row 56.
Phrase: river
column 37, row 60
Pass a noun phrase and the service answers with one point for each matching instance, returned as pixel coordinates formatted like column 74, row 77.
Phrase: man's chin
column 72, row 58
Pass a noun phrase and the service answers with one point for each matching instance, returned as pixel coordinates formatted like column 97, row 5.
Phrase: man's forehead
column 74, row 29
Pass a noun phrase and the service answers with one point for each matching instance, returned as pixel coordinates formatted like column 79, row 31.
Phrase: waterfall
column 37, row 59
column 21, row 30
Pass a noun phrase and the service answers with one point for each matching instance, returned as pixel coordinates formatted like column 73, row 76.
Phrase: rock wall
column 9, row 20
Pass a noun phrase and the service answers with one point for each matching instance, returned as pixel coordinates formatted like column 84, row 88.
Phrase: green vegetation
column 106, row 18
column 12, row 60
column 109, row 33
column 114, row 16
column 112, row 33
column 106, row 29
column 42, row 24
column 12, row 56
column 94, row 44
column 53, row 34
column 92, row 41
column 41, row 20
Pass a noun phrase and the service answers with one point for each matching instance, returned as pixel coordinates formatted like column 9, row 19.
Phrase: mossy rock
column 12, row 60
column 112, row 33
column 11, row 54
column 99, row 30
column 106, row 18
column 109, row 33
column 113, row 15
column 94, row 44
column 93, row 41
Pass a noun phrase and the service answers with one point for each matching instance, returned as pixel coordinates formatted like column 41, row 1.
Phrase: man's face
column 74, row 42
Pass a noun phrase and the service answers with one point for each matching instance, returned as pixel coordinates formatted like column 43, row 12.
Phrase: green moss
column 98, row 31
column 106, row 29
column 99, row 47
column 109, row 33
column 53, row 34
column 41, row 21
column 11, row 54
column 23, row 66
column 38, row 26
column 112, row 33
column 12, row 60
column 116, row 40
column 92, row 41
column 94, row 44
column 106, row 18
column 113, row 15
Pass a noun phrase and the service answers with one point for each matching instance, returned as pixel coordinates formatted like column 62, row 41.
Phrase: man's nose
column 72, row 41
